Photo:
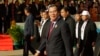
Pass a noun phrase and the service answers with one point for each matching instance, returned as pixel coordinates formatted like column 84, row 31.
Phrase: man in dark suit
column 77, row 33
column 88, row 35
column 57, row 37
column 36, row 9
column 18, row 12
column 6, row 15
column 28, row 32
column 23, row 5
column 65, row 13
column 44, row 20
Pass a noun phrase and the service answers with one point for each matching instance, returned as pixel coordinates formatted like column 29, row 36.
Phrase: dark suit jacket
column 79, row 31
column 43, row 37
column 90, row 34
column 59, row 42
column 23, row 5
column 7, row 16
column 18, row 17
column 28, row 28
column 35, row 11
column 71, row 23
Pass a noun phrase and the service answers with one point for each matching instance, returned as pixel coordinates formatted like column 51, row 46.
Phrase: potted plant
column 16, row 34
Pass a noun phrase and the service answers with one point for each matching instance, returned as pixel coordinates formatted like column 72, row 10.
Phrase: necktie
column 50, row 30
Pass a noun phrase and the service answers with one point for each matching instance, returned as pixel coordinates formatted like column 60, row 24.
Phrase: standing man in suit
column 28, row 32
column 65, row 13
column 36, row 9
column 77, row 33
column 23, row 5
column 44, row 20
column 6, row 15
column 57, row 37
column 88, row 35
column 18, row 12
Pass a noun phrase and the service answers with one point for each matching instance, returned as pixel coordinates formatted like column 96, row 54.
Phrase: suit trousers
column 27, row 46
column 84, row 50
column 79, row 49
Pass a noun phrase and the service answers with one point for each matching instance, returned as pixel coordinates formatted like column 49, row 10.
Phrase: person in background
column 65, row 3
column 36, row 7
column 18, row 12
column 44, row 20
column 88, row 35
column 58, row 4
column 94, row 12
column 26, row 3
column 46, row 3
column 78, row 25
column 6, row 16
column 28, row 32
column 72, row 8
column 57, row 35
column 70, row 21
column 81, row 7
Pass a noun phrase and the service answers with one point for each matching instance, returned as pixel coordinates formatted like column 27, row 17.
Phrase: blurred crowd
column 69, row 11
column 15, row 10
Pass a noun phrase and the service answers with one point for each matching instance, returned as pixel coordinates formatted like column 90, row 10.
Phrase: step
column 6, row 47
column 6, row 43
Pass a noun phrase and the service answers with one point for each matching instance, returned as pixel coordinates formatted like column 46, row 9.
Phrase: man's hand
column 93, row 44
column 45, row 53
column 37, row 53
column 19, row 12
column 32, row 37
column 77, row 45
column 2, row 18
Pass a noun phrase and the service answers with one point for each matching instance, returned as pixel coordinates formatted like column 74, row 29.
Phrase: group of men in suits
column 15, row 11
column 85, row 34
column 57, row 33
column 4, row 17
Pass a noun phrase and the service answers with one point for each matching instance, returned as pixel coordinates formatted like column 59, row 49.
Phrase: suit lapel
column 86, row 31
column 55, row 27
column 48, row 28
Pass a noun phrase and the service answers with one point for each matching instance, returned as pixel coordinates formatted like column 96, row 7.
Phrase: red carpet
column 6, row 42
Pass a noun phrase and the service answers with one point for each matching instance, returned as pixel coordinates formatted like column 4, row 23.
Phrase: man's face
column 77, row 17
column 53, row 13
column 84, row 17
column 64, row 13
column 44, row 15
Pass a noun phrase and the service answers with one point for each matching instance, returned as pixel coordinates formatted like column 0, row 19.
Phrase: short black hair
column 28, row 9
column 66, row 9
column 43, row 10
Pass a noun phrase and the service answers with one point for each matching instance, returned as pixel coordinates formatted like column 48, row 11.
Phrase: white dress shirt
column 76, row 29
column 42, row 25
column 83, row 30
